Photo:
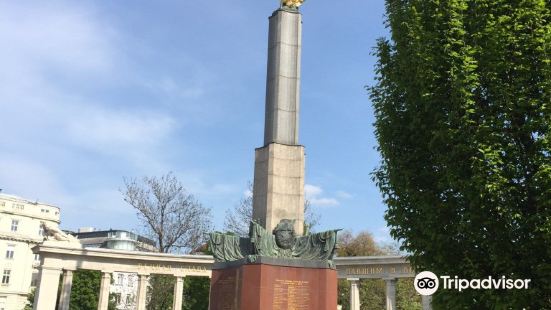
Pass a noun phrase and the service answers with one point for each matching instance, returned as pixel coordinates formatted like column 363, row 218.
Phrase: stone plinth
column 272, row 287
column 278, row 191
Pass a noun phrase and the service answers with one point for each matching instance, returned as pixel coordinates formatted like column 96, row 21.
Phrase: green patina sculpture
column 282, row 243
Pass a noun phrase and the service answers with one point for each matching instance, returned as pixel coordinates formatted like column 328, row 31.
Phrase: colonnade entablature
column 56, row 259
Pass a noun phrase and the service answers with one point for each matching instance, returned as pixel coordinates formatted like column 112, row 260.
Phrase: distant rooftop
column 90, row 232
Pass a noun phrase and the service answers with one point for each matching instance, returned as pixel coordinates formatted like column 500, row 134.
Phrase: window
column 6, row 276
column 40, row 229
column 14, row 225
column 36, row 258
column 2, row 203
column 129, row 299
column 120, row 279
column 118, row 298
column 9, row 251
column 18, row 206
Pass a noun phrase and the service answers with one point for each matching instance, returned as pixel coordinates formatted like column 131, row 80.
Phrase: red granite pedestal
column 273, row 287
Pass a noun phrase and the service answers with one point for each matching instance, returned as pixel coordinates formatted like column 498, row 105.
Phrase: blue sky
column 94, row 91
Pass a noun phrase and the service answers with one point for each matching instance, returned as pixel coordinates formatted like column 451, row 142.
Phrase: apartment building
column 20, row 230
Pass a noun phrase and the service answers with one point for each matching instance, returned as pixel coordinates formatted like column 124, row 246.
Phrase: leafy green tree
column 463, row 120
column 196, row 293
column 406, row 296
column 372, row 291
column 30, row 300
column 85, row 291
column 160, row 292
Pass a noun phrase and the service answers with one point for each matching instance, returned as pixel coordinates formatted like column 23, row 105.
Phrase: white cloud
column 344, row 195
column 31, row 180
column 59, row 56
column 54, row 36
column 169, row 86
column 56, row 51
column 314, row 193
column 106, row 130
column 324, row 202
column 311, row 191
column 73, row 116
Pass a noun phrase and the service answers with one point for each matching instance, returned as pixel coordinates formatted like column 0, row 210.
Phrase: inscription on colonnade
column 171, row 268
column 377, row 271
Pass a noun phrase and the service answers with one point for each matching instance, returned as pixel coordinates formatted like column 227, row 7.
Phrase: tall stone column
column 283, row 78
column 105, row 284
column 279, row 165
column 66, row 286
column 178, row 292
column 354, row 294
column 426, row 301
column 142, row 292
column 45, row 298
column 390, row 294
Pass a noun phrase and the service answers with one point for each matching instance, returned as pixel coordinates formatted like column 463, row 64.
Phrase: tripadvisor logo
column 427, row 283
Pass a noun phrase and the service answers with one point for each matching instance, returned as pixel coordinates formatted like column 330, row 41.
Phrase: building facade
column 20, row 230
column 124, row 285
column 114, row 239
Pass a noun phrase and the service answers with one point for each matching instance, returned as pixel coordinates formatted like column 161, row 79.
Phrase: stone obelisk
column 279, row 165
column 277, row 267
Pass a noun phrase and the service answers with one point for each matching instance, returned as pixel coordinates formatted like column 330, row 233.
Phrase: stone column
column 65, row 297
column 178, row 292
column 426, row 301
column 354, row 294
column 142, row 292
column 105, row 284
column 278, row 191
column 283, row 78
column 390, row 294
column 46, row 295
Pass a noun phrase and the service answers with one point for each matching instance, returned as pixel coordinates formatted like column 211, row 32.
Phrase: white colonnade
column 390, row 295
column 57, row 261
column 61, row 262
column 387, row 268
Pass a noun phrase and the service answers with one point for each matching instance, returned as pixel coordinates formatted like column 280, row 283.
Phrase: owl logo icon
column 426, row 283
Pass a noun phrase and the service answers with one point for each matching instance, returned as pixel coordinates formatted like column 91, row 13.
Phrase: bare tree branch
column 239, row 217
column 176, row 219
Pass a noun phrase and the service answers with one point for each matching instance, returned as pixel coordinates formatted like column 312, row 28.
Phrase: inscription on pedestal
column 227, row 296
column 291, row 295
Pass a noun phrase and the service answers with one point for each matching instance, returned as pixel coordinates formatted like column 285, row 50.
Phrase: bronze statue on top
column 281, row 243
column 292, row 4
